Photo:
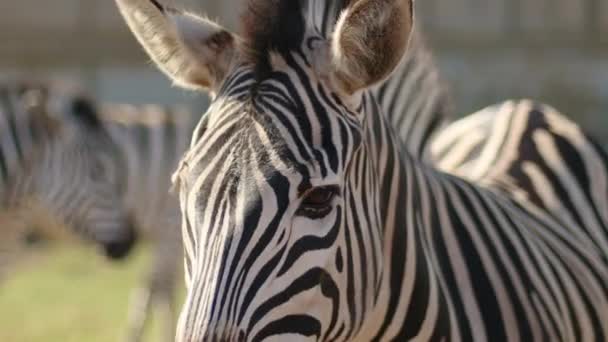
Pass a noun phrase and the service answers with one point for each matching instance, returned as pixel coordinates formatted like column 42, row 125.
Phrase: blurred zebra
column 151, row 140
column 305, row 219
column 58, row 167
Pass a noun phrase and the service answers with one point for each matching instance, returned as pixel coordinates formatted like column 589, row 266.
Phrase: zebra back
column 534, row 154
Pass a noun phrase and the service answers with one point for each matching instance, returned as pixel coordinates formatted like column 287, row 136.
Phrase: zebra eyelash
column 318, row 202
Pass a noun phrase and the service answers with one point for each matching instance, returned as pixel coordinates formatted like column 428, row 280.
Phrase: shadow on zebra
column 305, row 218
column 57, row 170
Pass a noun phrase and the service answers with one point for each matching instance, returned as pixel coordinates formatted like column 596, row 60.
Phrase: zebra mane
column 271, row 25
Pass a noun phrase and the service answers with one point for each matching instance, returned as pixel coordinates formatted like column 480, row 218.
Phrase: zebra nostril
column 119, row 249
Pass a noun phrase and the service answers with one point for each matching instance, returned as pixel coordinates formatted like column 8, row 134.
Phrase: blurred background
column 555, row 51
column 489, row 50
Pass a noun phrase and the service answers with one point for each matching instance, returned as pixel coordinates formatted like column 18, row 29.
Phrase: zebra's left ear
column 194, row 52
column 369, row 40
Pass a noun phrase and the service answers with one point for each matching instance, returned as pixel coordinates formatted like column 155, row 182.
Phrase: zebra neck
column 408, row 286
column 415, row 99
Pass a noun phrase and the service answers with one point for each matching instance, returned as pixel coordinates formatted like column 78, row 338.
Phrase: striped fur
column 532, row 153
column 303, row 218
column 479, row 266
column 415, row 98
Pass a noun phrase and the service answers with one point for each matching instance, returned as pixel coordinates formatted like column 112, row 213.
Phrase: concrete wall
column 489, row 50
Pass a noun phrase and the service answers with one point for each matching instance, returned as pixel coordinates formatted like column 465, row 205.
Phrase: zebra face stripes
column 269, row 232
column 276, row 183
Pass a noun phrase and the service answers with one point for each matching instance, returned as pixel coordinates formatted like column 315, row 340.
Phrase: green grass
column 69, row 293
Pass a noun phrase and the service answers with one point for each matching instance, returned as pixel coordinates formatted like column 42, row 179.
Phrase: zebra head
column 279, row 191
column 74, row 174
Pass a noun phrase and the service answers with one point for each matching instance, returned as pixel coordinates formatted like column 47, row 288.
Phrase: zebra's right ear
column 194, row 52
column 369, row 40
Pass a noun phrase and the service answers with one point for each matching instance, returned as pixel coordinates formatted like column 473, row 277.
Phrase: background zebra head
column 71, row 170
column 279, row 193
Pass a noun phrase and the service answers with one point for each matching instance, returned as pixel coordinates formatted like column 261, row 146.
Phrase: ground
column 70, row 294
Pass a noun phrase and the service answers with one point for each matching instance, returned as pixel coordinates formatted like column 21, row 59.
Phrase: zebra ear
column 369, row 40
column 194, row 52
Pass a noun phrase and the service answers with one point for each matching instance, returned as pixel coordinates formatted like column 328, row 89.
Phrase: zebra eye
column 318, row 202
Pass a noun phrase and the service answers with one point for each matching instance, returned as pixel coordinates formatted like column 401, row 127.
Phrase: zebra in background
column 57, row 168
column 534, row 154
column 304, row 218
column 151, row 139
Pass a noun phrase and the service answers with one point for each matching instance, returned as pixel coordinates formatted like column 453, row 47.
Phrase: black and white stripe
column 405, row 252
column 415, row 98
column 534, row 154
column 305, row 219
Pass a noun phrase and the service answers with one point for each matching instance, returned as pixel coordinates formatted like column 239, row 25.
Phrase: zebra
column 483, row 147
column 303, row 217
column 57, row 168
column 152, row 139
column 503, row 147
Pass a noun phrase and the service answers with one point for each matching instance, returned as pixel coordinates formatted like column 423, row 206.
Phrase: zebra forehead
column 271, row 25
column 241, row 141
